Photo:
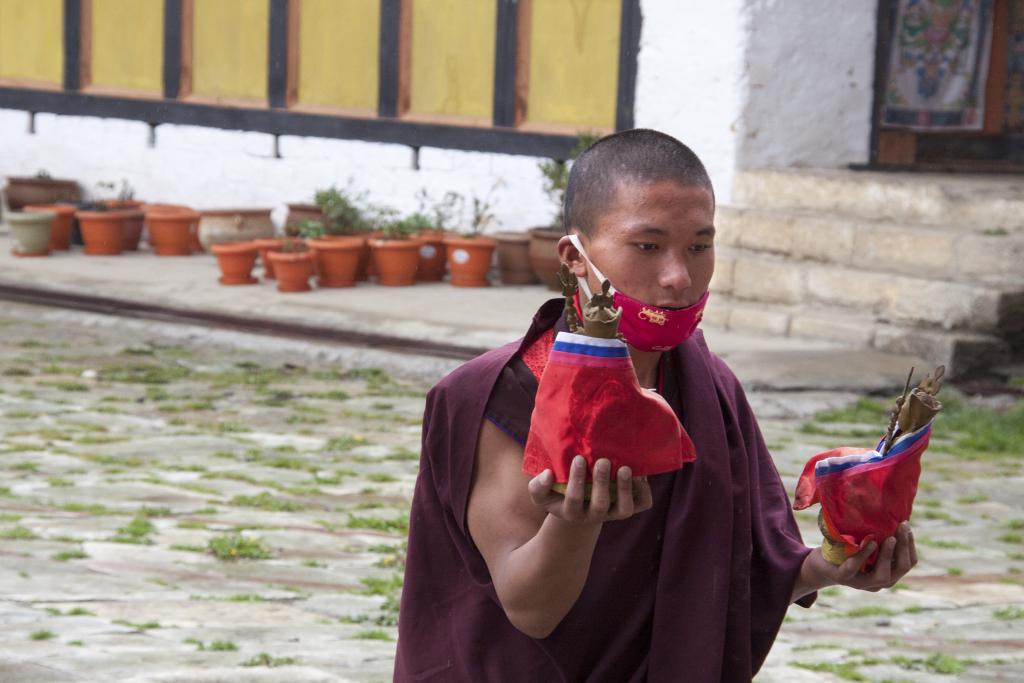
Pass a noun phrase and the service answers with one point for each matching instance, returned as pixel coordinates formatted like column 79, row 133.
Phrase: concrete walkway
column 470, row 319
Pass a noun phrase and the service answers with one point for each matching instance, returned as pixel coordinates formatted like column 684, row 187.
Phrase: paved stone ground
column 198, row 506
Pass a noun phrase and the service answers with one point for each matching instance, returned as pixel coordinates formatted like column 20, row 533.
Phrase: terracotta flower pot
column 63, row 217
column 219, row 226
column 293, row 270
column 172, row 231
column 514, row 258
column 22, row 191
column 396, row 261
column 236, row 261
column 544, row 256
column 337, row 260
column 433, row 256
column 31, row 232
column 265, row 246
column 469, row 259
column 122, row 204
column 131, row 233
column 131, row 230
column 101, row 232
column 371, row 264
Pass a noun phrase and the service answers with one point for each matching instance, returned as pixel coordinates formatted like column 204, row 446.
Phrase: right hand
column 633, row 494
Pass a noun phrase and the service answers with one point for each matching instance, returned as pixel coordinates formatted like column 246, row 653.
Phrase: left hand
column 897, row 557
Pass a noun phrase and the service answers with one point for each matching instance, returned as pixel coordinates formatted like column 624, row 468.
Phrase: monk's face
column 655, row 243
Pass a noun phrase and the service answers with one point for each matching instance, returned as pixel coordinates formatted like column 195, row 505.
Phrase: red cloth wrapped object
column 590, row 403
column 864, row 494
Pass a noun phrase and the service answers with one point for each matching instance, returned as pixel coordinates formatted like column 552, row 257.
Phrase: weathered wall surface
column 807, row 83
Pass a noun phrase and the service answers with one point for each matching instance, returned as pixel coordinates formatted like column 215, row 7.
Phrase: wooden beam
column 85, row 45
column 287, row 122
column 185, row 58
column 998, row 66
column 291, row 91
column 172, row 48
column 404, row 97
column 72, row 44
column 524, row 23
column 629, row 49
column 885, row 21
column 505, row 64
column 390, row 26
column 277, row 54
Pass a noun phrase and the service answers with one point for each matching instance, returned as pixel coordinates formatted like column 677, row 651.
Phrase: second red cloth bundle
column 590, row 403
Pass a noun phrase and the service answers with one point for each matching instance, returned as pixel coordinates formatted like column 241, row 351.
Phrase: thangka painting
column 1015, row 74
column 938, row 65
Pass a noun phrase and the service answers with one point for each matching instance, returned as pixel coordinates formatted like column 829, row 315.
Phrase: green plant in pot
column 343, row 210
column 293, row 265
column 544, row 240
column 469, row 252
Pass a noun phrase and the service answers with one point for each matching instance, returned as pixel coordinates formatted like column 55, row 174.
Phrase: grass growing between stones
column 136, row 531
column 267, row 660
column 237, row 547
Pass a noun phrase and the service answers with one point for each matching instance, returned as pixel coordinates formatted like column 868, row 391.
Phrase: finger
column 883, row 566
column 599, row 497
column 573, row 505
column 851, row 567
column 540, row 487
column 912, row 545
column 642, row 497
column 624, row 493
column 903, row 564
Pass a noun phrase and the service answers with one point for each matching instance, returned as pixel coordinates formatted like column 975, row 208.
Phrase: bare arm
column 537, row 543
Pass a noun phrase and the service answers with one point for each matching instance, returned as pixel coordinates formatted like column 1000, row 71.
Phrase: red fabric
column 866, row 501
column 597, row 409
column 536, row 354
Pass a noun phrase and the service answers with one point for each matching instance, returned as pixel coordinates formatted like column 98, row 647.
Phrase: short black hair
column 638, row 155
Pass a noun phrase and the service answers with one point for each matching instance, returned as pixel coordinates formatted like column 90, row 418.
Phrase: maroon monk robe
column 693, row 589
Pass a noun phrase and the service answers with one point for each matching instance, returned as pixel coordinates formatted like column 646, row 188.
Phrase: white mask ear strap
column 575, row 239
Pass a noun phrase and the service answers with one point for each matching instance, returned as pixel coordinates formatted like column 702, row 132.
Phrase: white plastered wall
column 808, row 69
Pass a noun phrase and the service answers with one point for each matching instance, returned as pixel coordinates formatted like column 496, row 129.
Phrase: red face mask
column 643, row 326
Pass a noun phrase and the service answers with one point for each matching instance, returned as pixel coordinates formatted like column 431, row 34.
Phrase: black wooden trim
column 390, row 27
column 629, row 49
column 172, row 48
column 277, row 54
column 286, row 122
column 885, row 21
column 72, row 44
column 505, row 41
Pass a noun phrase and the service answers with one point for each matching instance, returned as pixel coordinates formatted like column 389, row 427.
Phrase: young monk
column 688, row 575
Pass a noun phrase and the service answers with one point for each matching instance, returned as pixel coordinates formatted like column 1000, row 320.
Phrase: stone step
column 961, row 351
column 987, row 204
column 898, row 299
column 937, row 252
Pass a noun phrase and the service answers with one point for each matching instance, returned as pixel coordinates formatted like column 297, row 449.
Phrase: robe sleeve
column 778, row 551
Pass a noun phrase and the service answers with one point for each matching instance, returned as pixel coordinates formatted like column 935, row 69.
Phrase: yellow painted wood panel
column 128, row 44
column 229, row 48
column 574, row 62
column 339, row 53
column 452, row 61
column 32, row 40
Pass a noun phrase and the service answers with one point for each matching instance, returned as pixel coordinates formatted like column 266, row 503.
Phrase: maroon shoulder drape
column 694, row 589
